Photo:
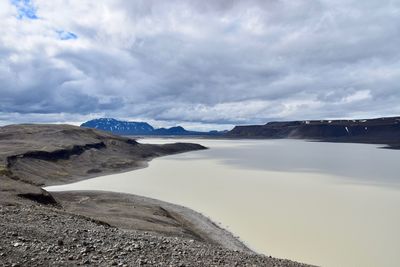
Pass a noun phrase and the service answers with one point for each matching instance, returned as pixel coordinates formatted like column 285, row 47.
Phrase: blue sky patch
column 64, row 35
column 25, row 9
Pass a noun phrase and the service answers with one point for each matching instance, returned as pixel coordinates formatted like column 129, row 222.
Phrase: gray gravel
column 37, row 236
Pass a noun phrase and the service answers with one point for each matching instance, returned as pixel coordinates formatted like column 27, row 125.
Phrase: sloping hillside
column 376, row 131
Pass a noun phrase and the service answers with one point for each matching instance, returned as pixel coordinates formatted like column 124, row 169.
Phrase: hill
column 375, row 131
column 141, row 128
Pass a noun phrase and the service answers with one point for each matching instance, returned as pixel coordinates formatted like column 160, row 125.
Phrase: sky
column 200, row 64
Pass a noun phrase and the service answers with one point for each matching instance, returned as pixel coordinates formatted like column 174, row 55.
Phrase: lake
column 327, row 204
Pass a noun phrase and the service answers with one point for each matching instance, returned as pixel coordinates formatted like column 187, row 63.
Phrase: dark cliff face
column 381, row 130
column 51, row 154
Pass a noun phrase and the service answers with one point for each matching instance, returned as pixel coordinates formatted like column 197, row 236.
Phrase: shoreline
column 203, row 227
column 380, row 145
column 225, row 238
column 35, row 156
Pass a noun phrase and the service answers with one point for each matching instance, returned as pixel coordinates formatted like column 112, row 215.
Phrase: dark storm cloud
column 222, row 62
column 39, row 86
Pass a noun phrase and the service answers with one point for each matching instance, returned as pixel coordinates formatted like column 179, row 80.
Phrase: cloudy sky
column 201, row 64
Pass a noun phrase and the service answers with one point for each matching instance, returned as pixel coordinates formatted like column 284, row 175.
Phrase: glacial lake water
column 326, row 204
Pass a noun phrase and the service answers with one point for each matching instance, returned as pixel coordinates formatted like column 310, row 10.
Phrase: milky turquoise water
column 321, row 203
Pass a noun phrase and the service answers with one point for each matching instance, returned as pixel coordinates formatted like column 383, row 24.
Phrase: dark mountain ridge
column 119, row 127
column 141, row 128
column 376, row 131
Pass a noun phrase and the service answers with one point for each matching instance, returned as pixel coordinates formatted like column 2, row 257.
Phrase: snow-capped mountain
column 139, row 128
column 119, row 127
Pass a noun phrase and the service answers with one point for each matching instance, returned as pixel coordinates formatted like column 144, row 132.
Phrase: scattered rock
column 96, row 245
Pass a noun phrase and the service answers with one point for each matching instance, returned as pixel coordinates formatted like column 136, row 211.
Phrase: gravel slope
column 38, row 236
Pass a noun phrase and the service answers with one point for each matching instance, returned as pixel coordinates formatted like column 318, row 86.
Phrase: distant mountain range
column 377, row 131
column 141, row 128
column 373, row 131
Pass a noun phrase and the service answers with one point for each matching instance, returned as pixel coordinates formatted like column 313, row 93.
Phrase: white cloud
column 200, row 62
column 357, row 96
